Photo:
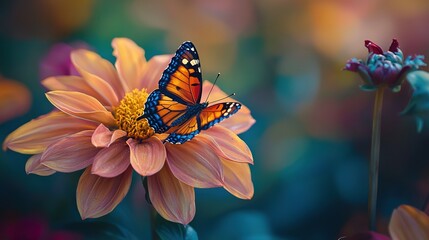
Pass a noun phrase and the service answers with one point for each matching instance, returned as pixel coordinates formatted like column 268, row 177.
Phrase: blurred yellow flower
column 15, row 99
column 408, row 222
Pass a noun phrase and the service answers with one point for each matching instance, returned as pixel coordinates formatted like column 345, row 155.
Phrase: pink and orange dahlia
column 94, row 127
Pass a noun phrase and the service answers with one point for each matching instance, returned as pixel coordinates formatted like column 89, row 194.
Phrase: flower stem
column 153, row 225
column 375, row 158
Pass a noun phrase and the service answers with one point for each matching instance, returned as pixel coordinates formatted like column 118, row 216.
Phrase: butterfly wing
column 161, row 111
column 204, row 120
column 181, row 81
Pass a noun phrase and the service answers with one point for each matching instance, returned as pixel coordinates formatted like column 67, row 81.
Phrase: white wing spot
column 185, row 61
column 199, row 70
column 192, row 49
column 194, row 62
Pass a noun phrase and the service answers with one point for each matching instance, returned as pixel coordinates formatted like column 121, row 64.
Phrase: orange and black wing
column 181, row 81
column 205, row 119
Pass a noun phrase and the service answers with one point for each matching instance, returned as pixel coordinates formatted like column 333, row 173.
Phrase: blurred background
column 284, row 60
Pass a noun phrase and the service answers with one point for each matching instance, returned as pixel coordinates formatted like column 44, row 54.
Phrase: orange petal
column 409, row 223
column 97, row 196
column 72, row 153
column 153, row 72
column 195, row 164
column 147, row 157
column 226, row 144
column 72, row 83
column 34, row 136
column 99, row 73
column 34, row 166
column 15, row 99
column 172, row 199
column 239, row 122
column 111, row 161
column 237, row 179
column 130, row 62
column 103, row 137
column 81, row 105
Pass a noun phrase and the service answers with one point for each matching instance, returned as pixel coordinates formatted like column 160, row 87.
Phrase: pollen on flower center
column 129, row 109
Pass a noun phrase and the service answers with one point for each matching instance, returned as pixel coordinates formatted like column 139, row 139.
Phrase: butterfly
column 175, row 107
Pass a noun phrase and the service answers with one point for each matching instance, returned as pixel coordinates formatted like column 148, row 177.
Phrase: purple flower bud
column 384, row 68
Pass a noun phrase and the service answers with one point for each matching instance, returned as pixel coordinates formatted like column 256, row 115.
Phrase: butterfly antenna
column 211, row 89
column 230, row 95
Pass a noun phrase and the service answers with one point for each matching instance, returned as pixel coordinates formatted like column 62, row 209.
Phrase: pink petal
column 239, row 122
column 103, row 137
column 195, row 164
column 147, row 157
column 394, row 47
column 237, row 179
column 153, row 72
column 81, row 105
column 34, row 166
column 97, row 196
column 99, row 74
column 373, row 48
column 409, row 223
column 130, row 62
column 72, row 153
column 112, row 161
column 72, row 83
column 226, row 144
column 34, row 136
column 172, row 199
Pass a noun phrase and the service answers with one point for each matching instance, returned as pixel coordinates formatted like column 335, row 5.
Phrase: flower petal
column 394, row 47
column 195, row 164
column 130, row 62
column 147, row 157
column 103, row 137
column 99, row 73
column 72, row 153
column 172, row 199
column 111, row 161
column 373, row 48
column 153, row 72
column 34, row 136
column 71, row 83
column 81, row 105
column 409, row 223
column 241, row 121
column 226, row 144
column 237, row 179
column 97, row 196
column 34, row 166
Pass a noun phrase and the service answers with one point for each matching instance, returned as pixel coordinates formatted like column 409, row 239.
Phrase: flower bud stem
column 375, row 158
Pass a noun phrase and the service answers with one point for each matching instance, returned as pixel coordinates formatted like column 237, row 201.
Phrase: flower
column 15, row 99
column 384, row 69
column 57, row 60
column 96, row 129
column 408, row 222
column 405, row 223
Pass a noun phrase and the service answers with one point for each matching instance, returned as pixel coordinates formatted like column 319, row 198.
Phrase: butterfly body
column 176, row 108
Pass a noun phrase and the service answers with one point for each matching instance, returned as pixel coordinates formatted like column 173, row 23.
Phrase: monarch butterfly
column 175, row 107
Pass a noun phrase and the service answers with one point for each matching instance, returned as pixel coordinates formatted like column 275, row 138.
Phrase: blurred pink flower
column 15, row 99
column 33, row 228
column 96, row 129
column 57, row 61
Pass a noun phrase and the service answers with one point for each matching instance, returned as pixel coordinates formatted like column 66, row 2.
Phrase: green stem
column 153, row 225
column 375, row 158
column 152, row 213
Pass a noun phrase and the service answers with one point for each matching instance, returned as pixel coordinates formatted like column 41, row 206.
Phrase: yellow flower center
column 126, row 114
